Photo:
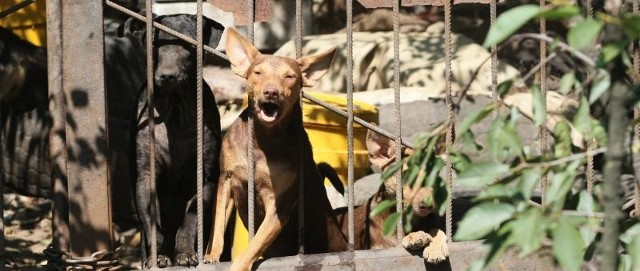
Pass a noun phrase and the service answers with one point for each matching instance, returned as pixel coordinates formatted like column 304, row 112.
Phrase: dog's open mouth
column 269, row 111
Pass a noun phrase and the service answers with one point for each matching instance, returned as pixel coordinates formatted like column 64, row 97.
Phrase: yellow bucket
column 29, row 23
column 328, row 135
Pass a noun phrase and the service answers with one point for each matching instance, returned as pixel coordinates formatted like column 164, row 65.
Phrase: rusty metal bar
column 450, row 116
column 152, row 137
column 542, row 129
column 398, row 119
column 358, row 120
column 86, row 141
column 177, row 34
column 350, row 154
column 251, row 169
column 495, row 96
column 200, row 139
column 301, row 226
column 636, row 112
column 57, row 136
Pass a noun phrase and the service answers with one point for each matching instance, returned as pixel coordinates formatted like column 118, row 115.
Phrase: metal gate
column 83, row 233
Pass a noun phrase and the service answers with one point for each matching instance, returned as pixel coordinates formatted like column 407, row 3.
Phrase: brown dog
column 368, row 235
column 273, row 85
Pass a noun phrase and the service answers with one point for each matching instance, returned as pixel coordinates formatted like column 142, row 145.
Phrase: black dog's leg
column 187, row 233
column 143, row 204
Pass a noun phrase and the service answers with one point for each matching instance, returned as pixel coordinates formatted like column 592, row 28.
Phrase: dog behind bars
column 274, row 84
column 174, row 107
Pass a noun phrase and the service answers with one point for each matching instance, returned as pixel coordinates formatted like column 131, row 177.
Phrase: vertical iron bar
column 543, row 90
column 350, row 123
column 398, row 131
column 200, row 140
column 449, row 105
column 495, row 96
column 251, row 173
column 152, row 135
column 57, row 137
column 590, row 140
column 636, row 111
column 301, row 225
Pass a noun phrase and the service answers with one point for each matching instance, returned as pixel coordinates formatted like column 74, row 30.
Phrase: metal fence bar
column 636, row 111
column 157, row 25
column 350, row 155
column 590, row 140
column 152, row 137
column 251, row 169
column 301, row 225
column 398, row 120
column 494, row 61
column 200, row 139
column 450, row 117
column 356, row 119
column 542, row 129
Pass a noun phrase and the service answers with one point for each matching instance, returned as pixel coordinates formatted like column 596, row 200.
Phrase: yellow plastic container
column 328, row 135
column 29, row 23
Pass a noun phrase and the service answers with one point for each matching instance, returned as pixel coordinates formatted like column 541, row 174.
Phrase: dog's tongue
column 268, row 116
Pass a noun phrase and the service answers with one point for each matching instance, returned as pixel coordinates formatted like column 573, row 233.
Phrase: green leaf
column 568, row 247
column 382, row 206
column 567, row 82
column 634, row 252
column 562, row 133
column 539, row 107
column 598, row 132
column 508, row 22
column 558, row 187
column 530, row 179
column 442, row 196
column 631, row 26
column 392, row 169
column 559, row 13
column 609, row 52
column 530, row 228
column 390, row 223
column 586, row 203
column 630, row 233
column 433, row 174
column 496, row 191
column 482, row 219
column 469, row 142
column 584, row 33
column 599, row 86
column 582, row 118
column 504, row 87
column 473, row 118
column 482, row 173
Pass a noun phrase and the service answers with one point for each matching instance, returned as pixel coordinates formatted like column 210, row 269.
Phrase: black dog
column 175, row 133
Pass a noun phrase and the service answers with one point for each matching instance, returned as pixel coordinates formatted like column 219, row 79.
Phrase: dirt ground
column 27, row 230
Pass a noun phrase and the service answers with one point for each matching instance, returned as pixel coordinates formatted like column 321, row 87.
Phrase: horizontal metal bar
column 165, row 29
column 356, row 119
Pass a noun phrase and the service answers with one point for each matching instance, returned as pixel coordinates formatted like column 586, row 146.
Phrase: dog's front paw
column 416, row 240
column 186, row 259
column 437, row 251
column 209, row 258
column 161, row 261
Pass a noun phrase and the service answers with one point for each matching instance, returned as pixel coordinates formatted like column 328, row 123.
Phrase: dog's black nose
column 167, row 77
column 270, row 93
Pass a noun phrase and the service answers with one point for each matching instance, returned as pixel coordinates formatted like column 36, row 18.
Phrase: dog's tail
column 327, row 171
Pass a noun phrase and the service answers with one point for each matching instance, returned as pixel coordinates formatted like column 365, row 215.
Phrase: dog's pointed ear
column 381, row 149
column 315, row 66
column 212, row 32
column 241, row 52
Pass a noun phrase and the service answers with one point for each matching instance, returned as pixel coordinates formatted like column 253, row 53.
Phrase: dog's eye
column 257, row 72
column 290, row 76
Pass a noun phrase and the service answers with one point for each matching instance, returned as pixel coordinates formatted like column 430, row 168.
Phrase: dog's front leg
column 224, row 205
column 274, row 221
column 144, row 206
